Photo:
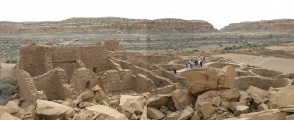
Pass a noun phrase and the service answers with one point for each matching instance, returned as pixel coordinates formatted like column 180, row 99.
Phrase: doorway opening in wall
column 95, row 69
column 87, row 85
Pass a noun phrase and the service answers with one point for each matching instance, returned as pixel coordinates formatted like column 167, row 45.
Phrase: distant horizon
column 216, row 27
column 219, row 13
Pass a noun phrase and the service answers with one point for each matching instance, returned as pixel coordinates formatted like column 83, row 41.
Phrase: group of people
column 192, row 63
column 195, row 62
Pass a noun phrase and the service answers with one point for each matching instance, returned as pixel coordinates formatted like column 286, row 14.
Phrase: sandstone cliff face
column 264, row 25
column 110, row 25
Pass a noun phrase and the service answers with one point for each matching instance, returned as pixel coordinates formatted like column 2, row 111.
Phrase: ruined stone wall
column 65, row 57
column 171, row 76
column 52, row 84
column 158, row 80
column 27, row 87
column 83, row 79
column 95, row 58
column 144, row 84
column 114, row 80
column 32, row 60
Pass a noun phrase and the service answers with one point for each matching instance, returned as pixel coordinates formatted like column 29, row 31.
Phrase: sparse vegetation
column 7, row 89
column 10, row 61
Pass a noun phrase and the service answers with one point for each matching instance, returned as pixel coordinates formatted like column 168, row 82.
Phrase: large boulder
column 7, row 116
column 281, row 97
column 100, row 112
column 211, row 79
column 182, row 99
column 52, row 111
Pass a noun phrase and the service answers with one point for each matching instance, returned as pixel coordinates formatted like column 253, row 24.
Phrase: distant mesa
column 111, row 25
column 264, row 25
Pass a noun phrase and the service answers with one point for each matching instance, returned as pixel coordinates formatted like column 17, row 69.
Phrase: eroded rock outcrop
column 264, row 25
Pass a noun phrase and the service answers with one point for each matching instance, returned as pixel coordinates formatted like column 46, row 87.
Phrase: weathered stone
column 199, row 82
column 134, row 117
column 207, row 109
column 270, row 114
column 256, row 99
column 99, row 94
column 290, row 117
column 241, row 109
column 262, row 107
column 51, row 110
column 281, row 97
column 182, row 99
column 144, row 114
column 173, row 116
column 196, row 116
column 260, row 92
column 30, row 108
column 244, row 97
column 85, row 96
column 132, row 103
column 100, row 112
column 186, row 114
column 216, row 101
column 7, row 116
column 154, row 113
column 230, row 95
column 289, row 109
column 232, row 105
column 160, row 100
column 205, row 97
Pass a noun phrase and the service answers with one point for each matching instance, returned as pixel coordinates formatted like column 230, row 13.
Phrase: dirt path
column 268, row 62
column 7, row 70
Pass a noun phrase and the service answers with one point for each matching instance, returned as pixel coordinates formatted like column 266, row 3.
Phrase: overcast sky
column 218, row 12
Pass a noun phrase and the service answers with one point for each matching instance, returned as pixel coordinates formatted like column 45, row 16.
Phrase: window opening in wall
column 87, row 85
column 94, row 69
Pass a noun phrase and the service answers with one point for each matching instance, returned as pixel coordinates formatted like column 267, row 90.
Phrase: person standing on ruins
column 187, row 63
column 175, row 70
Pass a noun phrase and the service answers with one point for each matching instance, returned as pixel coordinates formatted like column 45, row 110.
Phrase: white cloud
column 217, row 12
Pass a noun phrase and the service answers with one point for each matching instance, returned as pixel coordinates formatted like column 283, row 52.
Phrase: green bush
column 10, row 61
column 7, row 89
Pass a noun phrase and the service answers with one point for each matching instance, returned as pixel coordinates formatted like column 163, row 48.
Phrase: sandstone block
column 270, row 114
column 262, row 107
column 7, row 116
column 230, row 95
column 182, row 99
column 100, row 112
column 207, row 109
column 186, row 114
column 51, row 110
column 281, row 97
column 241, row 109
column 154, row 113
column 173, row 116
column 196, row 116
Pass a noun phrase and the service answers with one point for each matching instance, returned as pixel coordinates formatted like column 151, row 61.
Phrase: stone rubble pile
column 209, row 96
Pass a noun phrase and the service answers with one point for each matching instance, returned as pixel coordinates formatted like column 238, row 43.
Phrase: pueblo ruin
column 109, row 80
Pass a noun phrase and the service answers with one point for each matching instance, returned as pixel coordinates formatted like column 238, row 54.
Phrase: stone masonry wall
column 52, row 84
column 144, row 84
column 83, row 79
column 32, row 60
column 27, row 87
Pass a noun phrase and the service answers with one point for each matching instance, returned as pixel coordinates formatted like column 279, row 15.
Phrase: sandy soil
column 7, row 70
column 268, row 62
